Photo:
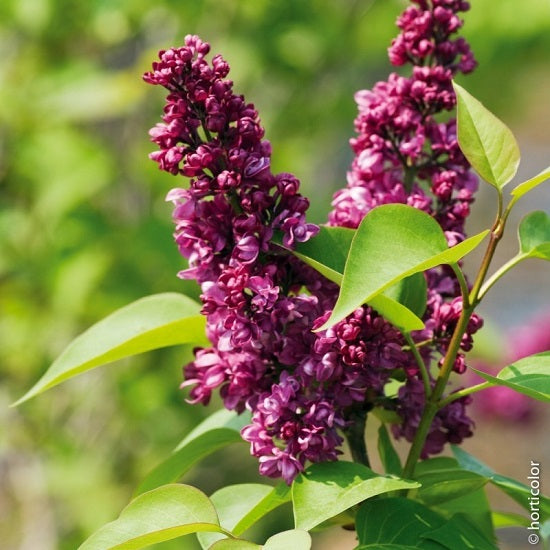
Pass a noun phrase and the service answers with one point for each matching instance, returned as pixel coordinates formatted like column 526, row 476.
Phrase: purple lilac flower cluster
column 258, row 321
column 404, row 154
column 303, row 388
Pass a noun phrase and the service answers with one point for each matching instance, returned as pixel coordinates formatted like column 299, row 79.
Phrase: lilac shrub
column 305, row 389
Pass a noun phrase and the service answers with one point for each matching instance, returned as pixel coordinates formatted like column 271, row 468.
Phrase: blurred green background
column 84, row 228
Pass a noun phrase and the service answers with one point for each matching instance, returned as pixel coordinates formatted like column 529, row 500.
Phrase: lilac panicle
column 405, row 154
column 256, row 315
column 304, row 388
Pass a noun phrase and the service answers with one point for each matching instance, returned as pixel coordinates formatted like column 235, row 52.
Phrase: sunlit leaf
column 181, row 461
column 326, row 489
column 531, row 183
column 509, row 519
column 153, row 322
column 241, row 506
column 235, row 544
column 392, row 242
column 534, row 235
column 486, row 141
column 530, row 376
column 219, row 419
column 402, row 304
column 297, row 539
column 163, row 514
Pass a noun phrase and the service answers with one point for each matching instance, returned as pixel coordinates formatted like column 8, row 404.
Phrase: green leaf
column 402, row 305
column 181, row 461
column 459, row 534
column 163, row 514
column 530, row 376
column 153, row 322
column 388, row 456
column 294, row 539
column 297, row 539
column 508, row 519
column 526, row 186
column 473, row 504
column 326, row 489
column 410, row 292
column 392, row 242
column 444, row 485
column 235, row 544
column 396, row 523
column 514, row 489
column 486, row 141
column 327, row 251
column 240, row 506
column 219, row 419
column 534, row 235
column 216, row 431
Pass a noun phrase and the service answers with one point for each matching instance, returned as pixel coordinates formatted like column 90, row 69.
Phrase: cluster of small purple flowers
column 303, row 388
column 258, row 322
column 404, row 154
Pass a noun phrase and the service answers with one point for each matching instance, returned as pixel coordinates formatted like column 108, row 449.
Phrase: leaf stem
column 421, row 365
column 464, row 392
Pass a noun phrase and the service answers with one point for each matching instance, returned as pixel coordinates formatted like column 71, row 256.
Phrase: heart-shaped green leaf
column 326, row 489
column 531, row 183
column 240, row 506
column 163, row 514
column 153, row 322
column 530, row 376
column 534, row 235
column 402, row 304
column 392, row 242
column 486, row 141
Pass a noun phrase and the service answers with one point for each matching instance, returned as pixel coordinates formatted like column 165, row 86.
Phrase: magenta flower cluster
column 405, row 154
column 261, row 303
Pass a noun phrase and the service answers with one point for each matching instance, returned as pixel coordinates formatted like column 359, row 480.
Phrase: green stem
column 462, row 393
column 433, row 403
column 421, row 365
column 355, row 435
